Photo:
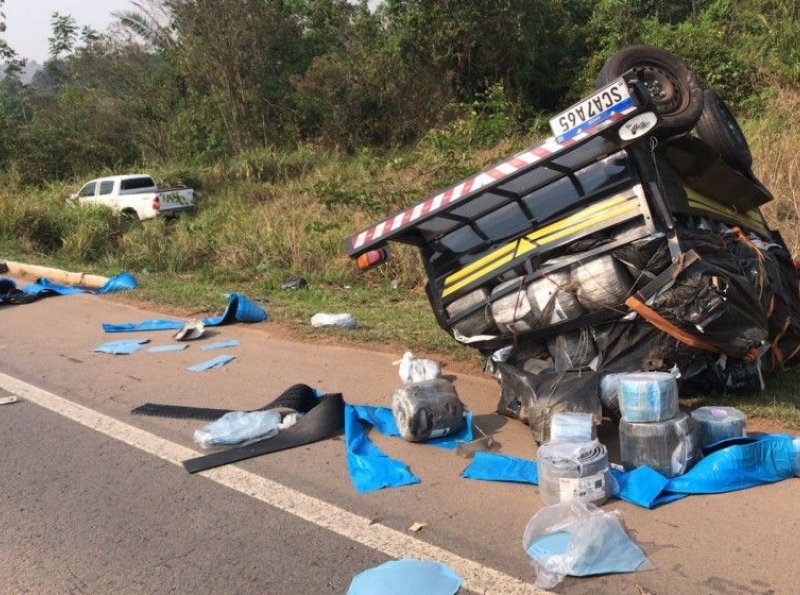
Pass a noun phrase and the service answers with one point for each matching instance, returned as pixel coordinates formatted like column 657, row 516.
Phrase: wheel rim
column 665, row 89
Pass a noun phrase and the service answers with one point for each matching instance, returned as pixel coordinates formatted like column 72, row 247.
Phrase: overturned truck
column 631, row 240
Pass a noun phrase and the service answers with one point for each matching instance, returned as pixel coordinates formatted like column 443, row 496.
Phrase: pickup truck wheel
column 128, row 219
column 719, row 128
column 675, row 91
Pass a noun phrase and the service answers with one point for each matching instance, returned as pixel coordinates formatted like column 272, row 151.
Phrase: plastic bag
column 344, row 320
column 237, row 427
column 576, row 538
column 413, row 369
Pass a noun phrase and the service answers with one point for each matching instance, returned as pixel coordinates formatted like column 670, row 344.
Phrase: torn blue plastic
column 487, row 466
column 401, row 577
column 239, row 309
column 121, row 282
column 221, row 345
column 166, row 348
column 730, row 465
column 370, row 469
column 122, row 347
column 381, row 419
column 210, row 364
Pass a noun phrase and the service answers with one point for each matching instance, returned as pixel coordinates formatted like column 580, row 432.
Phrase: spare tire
column 676, row 93
column 719, row 128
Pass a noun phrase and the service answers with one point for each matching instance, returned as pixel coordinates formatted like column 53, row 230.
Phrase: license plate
column 589, row 112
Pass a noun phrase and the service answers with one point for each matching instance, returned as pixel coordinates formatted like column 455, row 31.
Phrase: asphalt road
column 94, row 499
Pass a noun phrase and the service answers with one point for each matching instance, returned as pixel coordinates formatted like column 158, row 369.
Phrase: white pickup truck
column 135, row 196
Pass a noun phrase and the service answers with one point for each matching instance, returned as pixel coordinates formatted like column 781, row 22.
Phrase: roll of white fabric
column 646, row 397
column 718, row 423
column 570, row 470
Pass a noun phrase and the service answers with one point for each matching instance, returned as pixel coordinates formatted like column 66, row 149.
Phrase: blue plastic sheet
column 730, row 465
column 121, row 282
column 167, row 348
column 403, row 577
column 210, row 364
column 239, row 309
column 220, row 345
column 370, row 468
column 122, row 347
column 489, row 466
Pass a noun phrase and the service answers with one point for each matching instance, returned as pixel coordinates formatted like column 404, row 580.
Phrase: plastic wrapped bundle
column 427, row 409
column 666, row 446
column 551, row 299
column 570, row 470
column 571, row 351
column 646, row 397
column 609, row 392
column 718, row 423
column 572, row 426
column 480, row 321
column 512, row 311
column 602, row 282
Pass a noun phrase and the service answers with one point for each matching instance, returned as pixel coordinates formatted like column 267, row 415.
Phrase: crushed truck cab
column 596, row 227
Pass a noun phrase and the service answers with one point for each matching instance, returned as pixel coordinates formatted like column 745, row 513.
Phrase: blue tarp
column 730, row 465
column 403, row 577
column 210, row 364
column 121, row 282
column 370, row 468
column 122, row 347
column 220, row 345
column 167, row 348
column 239, row 309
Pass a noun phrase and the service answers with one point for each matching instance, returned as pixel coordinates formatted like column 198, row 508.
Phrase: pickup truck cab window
column 106, row 187
column 137, row 183
column 88, row 189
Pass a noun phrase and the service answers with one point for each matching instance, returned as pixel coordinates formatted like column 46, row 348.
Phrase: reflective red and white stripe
column 547, row 149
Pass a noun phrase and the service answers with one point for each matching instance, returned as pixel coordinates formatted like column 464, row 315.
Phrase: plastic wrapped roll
column 571, row 351
column 427, row 409
column 609, row 392
column 668, row 446
column 572, row 427
column 648, row 396
column 570, row 470
column 551, row 299
column 718, row 423
column 602, row 282
column 480, row 321
column 512, row 311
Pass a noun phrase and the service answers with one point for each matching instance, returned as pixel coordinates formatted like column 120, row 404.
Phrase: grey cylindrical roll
column 570, row 470
column 427, row 409
column 571, row 351
column 479, row 322
column 718, row 423
column 512, row 312
column 602, row 282
column 609, row 392
column 668, row 446
column 551, row 300
column 648, row 396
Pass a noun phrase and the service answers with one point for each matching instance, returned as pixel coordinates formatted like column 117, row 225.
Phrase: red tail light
column 372, row 258
column 156, row 203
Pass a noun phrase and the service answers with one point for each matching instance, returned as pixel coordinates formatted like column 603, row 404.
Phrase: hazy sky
column 28, row 21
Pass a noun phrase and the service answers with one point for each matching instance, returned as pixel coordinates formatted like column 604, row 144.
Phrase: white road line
column 394, row 544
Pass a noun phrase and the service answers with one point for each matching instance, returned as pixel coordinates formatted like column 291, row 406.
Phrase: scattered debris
column 221, row 345
column 293, row 283
column 576, row 538
column 192, row 329
column 238, row 427
column 343, row 320
column 9, row 399
column 121, row 347
column 167, row 348
column 412, row 369
column 485, row 443
column 217, row 362
column 401, row 577
column 416, row 527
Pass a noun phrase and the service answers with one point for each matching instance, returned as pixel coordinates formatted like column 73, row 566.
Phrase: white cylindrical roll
column 570, row 470
column 602, row 282
column 648, row 396
column 551, row 300
column 512, row 311
column 718, row 423
column 668, row 446
column 480, row 322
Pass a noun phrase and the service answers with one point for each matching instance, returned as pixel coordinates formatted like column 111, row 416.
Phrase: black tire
column 675, row 91
column 719, row 128
column 128, row 219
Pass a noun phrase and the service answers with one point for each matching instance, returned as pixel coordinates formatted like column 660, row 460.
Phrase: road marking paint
column 395, row 544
